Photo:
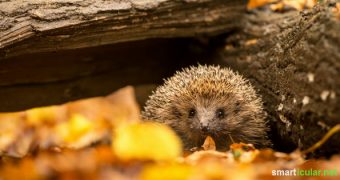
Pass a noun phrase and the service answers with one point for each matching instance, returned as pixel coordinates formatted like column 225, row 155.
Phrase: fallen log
column 294, row 60
column 47, row 26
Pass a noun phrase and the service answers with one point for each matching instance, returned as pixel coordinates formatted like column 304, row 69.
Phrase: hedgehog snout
column 204, row 127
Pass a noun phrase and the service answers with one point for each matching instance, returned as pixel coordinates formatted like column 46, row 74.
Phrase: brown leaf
column 199, row 156
column 75, row 124
column 296, row 4
column 336, row 10
column 244, row 153
column 250, row 42
column 277, row 6
column 311, row 3
column 209, row 144
column 257, row 3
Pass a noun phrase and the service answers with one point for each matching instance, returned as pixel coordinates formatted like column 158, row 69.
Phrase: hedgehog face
column 218, row 119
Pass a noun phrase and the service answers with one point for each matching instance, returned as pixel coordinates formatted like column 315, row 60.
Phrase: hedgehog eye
column 192, row 113
column 220, row 113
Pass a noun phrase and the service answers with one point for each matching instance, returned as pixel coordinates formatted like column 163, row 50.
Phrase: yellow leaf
column 73, row 129
column 167, row 171
column 41, row 115
column 211, row 170
column 146, row 141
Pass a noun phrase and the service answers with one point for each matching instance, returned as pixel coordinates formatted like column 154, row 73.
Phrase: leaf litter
column 103, row 138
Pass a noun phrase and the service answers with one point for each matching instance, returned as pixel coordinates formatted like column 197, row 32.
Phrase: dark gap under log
column 52, row 78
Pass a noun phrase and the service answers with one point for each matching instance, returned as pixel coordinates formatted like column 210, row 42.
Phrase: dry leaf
column 146, row 141
column 336, row 10
column 198, row 156
column 125, row 102
column 167, row 171
column 209, row 144
column 11, row 127
column 118, row 108
column 296, row 4
column 250, row 42
column 138, row 150
column 277, row 6
column 258, row 3
column 26, row 169
column 75, row 124
column 310, row 3
column 73, row 130
column 22, row 144
column 244, row 153
column 45, row 115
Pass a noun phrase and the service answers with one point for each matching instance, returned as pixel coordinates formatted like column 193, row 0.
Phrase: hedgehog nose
column 204, row 128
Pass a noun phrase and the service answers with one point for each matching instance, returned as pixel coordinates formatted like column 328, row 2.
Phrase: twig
column 334, row 130
column 231, row 138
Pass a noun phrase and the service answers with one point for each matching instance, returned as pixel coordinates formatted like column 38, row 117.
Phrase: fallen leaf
column 74, row 128
column 209, row 144
column 199, row 156
column 26, row 169
column 167, row 171
column 296, row 4
column 244, row 153
column 250, row 42
column 258, row 3
column 310, row 3
column 22, row 144
column 277, row 6
column 146, row 141
column 75, row 124
column 336, row 10
column 45, row 115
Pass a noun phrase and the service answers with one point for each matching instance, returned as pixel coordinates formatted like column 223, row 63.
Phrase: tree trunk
column 294, row 60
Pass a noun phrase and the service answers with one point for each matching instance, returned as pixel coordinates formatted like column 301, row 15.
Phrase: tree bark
column 43, row 26
column 294, row 60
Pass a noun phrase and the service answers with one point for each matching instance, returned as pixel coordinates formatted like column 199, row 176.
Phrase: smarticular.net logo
column 305, row 172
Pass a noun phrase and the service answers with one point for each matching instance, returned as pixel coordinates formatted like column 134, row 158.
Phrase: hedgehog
column 201, row 101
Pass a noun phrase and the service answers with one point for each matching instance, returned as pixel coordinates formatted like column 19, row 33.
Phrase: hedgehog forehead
column 208, row 87
column 212, row 95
